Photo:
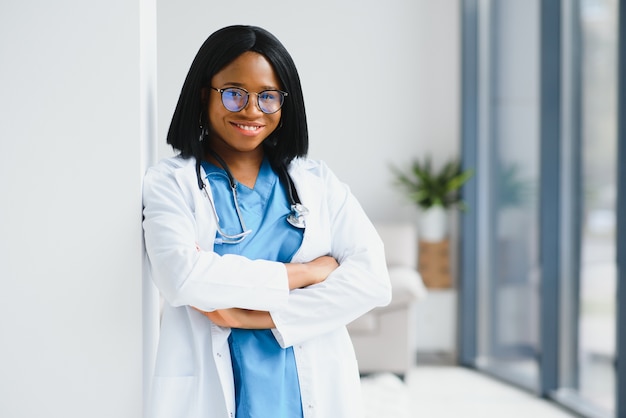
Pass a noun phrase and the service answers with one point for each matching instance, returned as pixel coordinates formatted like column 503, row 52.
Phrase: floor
column 451, row 392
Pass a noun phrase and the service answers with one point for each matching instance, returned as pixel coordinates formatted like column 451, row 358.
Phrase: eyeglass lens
column 235, row 99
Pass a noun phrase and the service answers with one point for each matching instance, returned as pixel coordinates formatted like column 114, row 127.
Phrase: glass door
column 540, row 280
column 509, row 278
column 590, row 178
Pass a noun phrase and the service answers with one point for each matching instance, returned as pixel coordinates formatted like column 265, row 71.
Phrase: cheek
column 214, row 106
column 216, row 114
column 278, row 118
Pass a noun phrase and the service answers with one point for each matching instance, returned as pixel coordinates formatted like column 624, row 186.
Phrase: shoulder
column 172, row 168
column 174, row 173
column 316, row 173
column 170, row 165
column 310, row 167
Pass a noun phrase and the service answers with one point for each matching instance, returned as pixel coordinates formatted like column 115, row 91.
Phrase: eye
column 233, row 93
column 268, row 95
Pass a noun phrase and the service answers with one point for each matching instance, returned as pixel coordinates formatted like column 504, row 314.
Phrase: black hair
column 289, row 141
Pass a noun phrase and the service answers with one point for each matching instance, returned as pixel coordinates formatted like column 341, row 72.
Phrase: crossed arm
column 299, row 275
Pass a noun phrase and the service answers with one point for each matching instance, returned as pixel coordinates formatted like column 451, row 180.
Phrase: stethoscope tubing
column 295, row 218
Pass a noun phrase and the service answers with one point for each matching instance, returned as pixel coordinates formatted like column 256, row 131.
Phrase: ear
column 204, row 95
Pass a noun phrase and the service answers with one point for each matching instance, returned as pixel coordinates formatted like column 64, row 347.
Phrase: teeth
column 247, row 127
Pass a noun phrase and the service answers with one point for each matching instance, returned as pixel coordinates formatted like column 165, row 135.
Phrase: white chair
column 385, row 338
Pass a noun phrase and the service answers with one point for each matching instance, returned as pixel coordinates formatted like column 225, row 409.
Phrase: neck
column 244, row 167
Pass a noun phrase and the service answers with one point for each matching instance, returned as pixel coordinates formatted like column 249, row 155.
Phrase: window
column 539, row 276
column 509, row 279
column 589, row 181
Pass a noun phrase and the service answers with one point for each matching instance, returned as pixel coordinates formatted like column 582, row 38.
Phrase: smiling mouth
column 251, row 128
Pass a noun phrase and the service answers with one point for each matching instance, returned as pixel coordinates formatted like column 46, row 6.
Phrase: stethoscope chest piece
column 296, row 217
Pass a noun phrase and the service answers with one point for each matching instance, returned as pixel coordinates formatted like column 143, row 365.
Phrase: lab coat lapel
column 311, row 189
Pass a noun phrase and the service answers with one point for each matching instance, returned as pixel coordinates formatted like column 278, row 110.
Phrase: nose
column 252, row 106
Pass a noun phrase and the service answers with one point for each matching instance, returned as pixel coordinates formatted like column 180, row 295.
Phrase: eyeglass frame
column 247, row 96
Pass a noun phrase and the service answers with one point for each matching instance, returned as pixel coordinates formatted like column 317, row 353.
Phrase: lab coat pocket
column 172, row 397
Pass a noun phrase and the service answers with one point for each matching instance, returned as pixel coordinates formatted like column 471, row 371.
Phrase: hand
column 306, row 274
column 215, row 317
column 240, row 318
column 321, row 268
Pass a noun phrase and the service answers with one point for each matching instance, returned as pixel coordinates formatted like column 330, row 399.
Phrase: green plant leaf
column 427, row 188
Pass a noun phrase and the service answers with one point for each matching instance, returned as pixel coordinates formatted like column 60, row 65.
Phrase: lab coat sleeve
column 359, row 284
column 201, row 278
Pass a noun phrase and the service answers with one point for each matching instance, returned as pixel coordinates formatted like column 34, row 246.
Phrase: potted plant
column 434, row 192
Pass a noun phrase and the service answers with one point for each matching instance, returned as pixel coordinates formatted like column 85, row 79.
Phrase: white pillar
column 71, row 165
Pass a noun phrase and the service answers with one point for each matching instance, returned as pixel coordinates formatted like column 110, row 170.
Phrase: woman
column 262, row 256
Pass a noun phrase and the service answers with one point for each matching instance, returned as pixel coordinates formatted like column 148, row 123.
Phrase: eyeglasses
column 235, row 99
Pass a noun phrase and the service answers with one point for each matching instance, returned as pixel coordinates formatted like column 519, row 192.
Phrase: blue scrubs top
column 266, row 378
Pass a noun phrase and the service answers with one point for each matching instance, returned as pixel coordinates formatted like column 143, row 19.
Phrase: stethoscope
column 296, row 216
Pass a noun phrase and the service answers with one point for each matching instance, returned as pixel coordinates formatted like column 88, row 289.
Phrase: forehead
column 250, row 70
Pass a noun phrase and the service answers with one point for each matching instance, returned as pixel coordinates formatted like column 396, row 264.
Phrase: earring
column 203, row 131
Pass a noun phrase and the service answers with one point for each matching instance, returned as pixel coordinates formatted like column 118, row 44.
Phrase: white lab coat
column 193, row 375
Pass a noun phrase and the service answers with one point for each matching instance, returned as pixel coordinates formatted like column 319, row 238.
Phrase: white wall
column 372, row 50
column 70, row 234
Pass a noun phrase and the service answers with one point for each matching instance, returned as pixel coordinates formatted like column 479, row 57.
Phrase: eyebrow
column 263, row 88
